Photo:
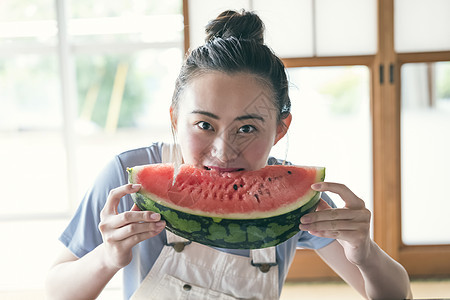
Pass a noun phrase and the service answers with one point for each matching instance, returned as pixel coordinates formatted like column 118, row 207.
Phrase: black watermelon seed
column 235, row 187
column 289, row 172
column 241, row 185
column 257, row 197
column 270, row 179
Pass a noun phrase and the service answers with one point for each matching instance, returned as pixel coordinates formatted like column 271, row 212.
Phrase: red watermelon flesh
column 270, row 191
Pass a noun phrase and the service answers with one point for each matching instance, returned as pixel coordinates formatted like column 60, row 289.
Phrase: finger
column 130, row 217
column 133, row 240
column 351, row 200
column 115, row 195
column 349, row 236
column 336, row 214
column 335, row 225
column 308, row 218
column 327, row 234
column 130, row 230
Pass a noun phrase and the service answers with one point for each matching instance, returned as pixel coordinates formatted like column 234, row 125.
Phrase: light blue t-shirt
column 82, row 235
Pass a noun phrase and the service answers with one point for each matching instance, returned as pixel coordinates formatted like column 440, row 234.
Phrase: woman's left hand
column 349, row 225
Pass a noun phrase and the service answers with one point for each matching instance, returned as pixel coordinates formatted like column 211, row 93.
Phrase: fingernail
column 316, row 186
column 161, row 224
column 154, row 216
column 135, row 186
column 305, row 219
column 304, row 227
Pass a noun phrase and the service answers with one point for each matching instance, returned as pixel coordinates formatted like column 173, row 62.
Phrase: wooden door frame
column 423, row 260
column 385, row 67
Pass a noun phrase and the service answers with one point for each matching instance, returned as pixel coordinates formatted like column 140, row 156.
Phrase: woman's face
column 226, row 122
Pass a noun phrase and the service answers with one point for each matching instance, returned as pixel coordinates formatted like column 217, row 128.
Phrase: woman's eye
column 204, row 125
column 247, row 129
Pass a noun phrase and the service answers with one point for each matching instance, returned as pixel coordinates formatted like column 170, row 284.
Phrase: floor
column 422, row 289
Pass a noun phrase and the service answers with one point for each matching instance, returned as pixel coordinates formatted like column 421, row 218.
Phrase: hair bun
column 243, row 26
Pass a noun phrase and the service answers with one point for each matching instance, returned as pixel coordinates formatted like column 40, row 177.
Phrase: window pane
column 29, row 89
column 30, row 243
column 35, row 173
column 32, row 149
column 142, row 82
column 346, row 27
column 331, row 125
column 421, row 25
column 106, row 8
column 124, row 103
column 24, row 21
column 288, row 26
column 13, row 10
column 425, row 152
column 126, row 21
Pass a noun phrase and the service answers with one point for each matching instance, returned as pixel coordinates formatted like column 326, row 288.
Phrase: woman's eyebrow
column 206, row 113
column 249, row 117
column 241, row 118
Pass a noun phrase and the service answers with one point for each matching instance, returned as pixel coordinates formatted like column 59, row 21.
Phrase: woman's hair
column 235, row 44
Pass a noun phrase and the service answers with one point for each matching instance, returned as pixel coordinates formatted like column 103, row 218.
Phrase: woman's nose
column 224, row 148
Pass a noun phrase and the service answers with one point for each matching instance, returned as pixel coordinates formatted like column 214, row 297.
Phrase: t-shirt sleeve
column 82, row 234
column 309, row 241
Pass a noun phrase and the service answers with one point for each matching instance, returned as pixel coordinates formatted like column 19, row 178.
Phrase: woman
column 216, row 115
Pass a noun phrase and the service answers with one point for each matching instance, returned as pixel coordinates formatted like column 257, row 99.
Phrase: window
column 331, row 125
column 425, row 146
column 80, row 81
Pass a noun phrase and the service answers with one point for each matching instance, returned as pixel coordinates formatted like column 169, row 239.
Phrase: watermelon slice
column 236, row 210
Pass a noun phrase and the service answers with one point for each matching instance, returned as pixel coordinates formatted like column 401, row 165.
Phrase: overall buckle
column 264, row 267
column 179, row 246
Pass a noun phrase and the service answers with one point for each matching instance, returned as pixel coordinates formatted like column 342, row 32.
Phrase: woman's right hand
column 122, row 231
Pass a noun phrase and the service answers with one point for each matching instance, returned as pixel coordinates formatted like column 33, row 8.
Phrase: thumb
column 323, row 205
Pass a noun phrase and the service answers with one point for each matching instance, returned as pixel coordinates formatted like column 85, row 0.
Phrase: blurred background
column 81, row 81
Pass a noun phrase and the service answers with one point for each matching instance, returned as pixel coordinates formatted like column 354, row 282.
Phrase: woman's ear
column 283, row 128
column 173, row 119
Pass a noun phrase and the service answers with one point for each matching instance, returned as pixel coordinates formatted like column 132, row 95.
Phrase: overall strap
column 264, row 259
column 173, row 238
column 177, row 242
column 266, row 255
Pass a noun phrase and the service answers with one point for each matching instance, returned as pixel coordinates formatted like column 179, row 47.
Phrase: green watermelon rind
column 230, row 233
